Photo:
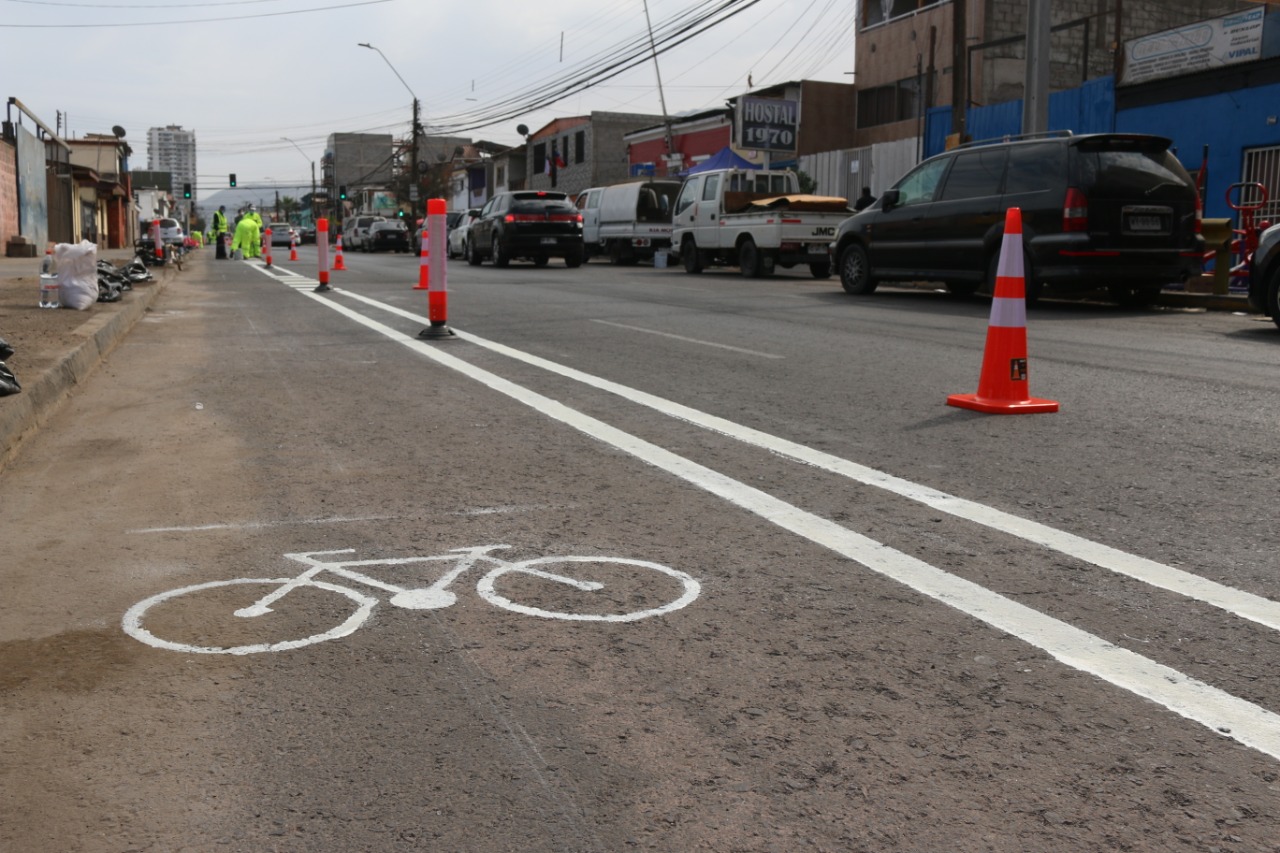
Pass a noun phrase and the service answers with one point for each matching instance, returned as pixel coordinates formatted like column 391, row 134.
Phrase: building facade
column 904, row 51
column 575, row 153
column 361, row 162
column 172, row 149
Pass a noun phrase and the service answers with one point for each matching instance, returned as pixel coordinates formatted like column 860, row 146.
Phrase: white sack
column 77, row 274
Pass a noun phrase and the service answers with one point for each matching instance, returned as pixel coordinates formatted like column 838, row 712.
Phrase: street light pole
column 415, row 133
column 313, row 176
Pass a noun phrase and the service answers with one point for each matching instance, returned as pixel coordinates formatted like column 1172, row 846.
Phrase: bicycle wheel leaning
column 214, row 607
column 487, row 588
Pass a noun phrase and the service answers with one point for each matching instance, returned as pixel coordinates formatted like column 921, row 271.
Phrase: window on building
column 878, row 11
column 580, row 146
column 895, row 102
column 539, row 156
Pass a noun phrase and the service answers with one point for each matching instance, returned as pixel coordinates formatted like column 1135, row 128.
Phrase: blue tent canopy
column 722, row 159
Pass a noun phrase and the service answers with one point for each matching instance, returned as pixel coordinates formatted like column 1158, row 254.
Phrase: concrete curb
column 26, row 412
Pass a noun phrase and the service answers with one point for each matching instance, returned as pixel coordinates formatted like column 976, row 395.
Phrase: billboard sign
column 1197, row 47
column 768, row 124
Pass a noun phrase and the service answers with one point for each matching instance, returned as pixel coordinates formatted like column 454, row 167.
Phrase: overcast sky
column 245, row 73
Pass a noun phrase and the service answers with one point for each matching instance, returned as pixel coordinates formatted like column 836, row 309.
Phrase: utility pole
column 959, row 67
column 413, row 166
column 1035, row 95
column 662, row 99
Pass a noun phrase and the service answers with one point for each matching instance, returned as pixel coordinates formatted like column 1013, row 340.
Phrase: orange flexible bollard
column 438, row 276
column 322, row 255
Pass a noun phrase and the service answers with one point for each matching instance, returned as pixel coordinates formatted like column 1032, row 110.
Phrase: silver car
column 456, row 245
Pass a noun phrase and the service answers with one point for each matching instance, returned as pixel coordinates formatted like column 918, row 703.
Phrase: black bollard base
column 323, row 288
column 436, row 332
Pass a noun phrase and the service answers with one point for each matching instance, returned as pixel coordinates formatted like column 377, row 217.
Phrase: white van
column 630, row 221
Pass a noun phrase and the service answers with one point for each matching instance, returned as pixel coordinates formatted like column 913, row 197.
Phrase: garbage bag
column 8, row 382
column 77, row 274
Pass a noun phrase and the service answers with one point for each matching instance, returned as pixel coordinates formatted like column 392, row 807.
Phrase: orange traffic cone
column 1002, row 387
column 337, row 259
column 293, row 248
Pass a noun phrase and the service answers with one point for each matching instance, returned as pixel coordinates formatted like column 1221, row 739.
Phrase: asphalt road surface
column 642, row 560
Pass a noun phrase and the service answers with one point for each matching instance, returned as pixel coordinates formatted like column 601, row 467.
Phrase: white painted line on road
column 688, row 340
column 260, row 525
column 1246, row 605
column 1195, row 700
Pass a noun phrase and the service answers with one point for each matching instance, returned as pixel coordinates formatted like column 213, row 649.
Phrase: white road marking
column 1195, row 700
column 688, row 340
column 259, row 525
column 1246, row 605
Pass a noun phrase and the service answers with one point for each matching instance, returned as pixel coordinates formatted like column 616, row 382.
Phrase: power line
column 220, row 20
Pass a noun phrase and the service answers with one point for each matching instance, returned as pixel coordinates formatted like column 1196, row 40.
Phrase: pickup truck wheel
column 749, row 259
column 500, row 258
column 689, row 256
column 473, row 257
column 855, row 271
column 822, row 270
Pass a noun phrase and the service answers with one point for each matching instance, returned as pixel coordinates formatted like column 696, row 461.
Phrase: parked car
column 387, row 234
column 355, row 228
column 307, row 234
column 170, row 230
column 531, row 224
column 1264, row 275
column 456, row 242
column 282, row 233
column 1106, row 209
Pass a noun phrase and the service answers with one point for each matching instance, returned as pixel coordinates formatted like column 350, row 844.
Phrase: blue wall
column 1089, row 108
column 1228, row 123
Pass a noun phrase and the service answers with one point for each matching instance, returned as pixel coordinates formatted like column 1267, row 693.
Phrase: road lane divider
column 1245, row 605
column 1195, row 700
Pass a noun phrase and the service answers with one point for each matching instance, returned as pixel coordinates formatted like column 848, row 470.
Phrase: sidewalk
column 57, row 350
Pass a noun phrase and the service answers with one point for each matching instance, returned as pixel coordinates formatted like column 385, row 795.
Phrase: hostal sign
column 768, row 124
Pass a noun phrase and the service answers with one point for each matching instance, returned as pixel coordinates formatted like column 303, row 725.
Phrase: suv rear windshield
column 538, row 205
column 1123, row 172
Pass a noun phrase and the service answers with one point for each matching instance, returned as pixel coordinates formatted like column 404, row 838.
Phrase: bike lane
column 793, row 702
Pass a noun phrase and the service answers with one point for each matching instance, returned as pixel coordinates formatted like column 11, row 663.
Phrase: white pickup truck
column 628, row 221
column 755, row 219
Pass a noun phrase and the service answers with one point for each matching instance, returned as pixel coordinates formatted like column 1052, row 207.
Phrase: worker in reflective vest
column 220, row 231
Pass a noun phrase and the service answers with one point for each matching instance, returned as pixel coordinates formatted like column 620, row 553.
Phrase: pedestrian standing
column 865, row 200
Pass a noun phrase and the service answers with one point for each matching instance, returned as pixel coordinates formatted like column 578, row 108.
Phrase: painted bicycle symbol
column 585, row 600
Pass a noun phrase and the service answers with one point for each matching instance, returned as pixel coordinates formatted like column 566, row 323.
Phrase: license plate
column 1144, row 223
column 817, row 248
column 548, row 241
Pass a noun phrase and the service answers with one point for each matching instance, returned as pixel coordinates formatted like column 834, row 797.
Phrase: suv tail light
column 524, row 217
column 1075, row 211
column 566, row 217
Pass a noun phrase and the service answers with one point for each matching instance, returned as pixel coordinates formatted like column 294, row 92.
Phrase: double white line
column 1244, row 721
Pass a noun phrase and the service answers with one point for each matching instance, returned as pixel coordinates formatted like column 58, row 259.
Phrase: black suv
column 532, row 224
column 1098, row 210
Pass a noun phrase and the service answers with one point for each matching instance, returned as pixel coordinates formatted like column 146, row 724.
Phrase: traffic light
column 400, row 213
column 233, row 179
column 186, row 189
column 342, row 193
